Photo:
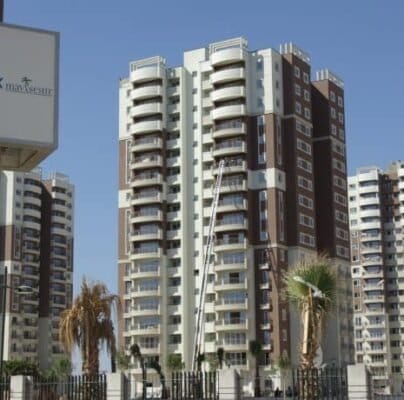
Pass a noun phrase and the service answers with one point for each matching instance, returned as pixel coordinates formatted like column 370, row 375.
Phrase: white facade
column 376, row 210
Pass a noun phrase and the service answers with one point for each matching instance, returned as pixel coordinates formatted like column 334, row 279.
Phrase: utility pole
column 1, row 10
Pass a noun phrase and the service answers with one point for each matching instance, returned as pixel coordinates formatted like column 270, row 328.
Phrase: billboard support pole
column 1, row 10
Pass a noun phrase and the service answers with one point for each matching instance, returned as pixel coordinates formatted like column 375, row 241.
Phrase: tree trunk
column 257, row 386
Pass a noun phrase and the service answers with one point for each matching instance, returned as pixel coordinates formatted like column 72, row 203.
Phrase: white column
column 229, row 384
column 358, row 383
column 115, row 386
column 20, row 387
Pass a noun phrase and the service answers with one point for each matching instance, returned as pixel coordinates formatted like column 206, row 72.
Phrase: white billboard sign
column 28, row 96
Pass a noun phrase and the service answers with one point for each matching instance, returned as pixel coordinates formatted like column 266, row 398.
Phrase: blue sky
column 361, row 41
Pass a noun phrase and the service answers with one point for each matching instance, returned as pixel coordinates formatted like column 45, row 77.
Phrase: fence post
column 20, row 387
column 115, row 386
column 228, row 385
column 358, row 383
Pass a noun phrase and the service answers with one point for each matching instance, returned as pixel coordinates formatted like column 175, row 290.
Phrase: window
column 340, row 101
column 297, row 90
column 298, row 107
column 305, row 201
column 306, row 95
column 307, row 113
column 303, row 146
column 304, row 183
column 332, row 96
column 333, row 113
column 297, row 71
column 305, row 77
column 304, row 164
column 341, row 118
column 306, row 220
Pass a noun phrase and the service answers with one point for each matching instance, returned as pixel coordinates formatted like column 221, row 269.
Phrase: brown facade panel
column 8, row 250
column 122, row 233
column 123, row 164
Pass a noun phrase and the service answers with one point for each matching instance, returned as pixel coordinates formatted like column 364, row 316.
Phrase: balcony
column 234, row 185
column 146, row 92
column 139, row 273
column 147, row 162
column 146, row 198
column 231, row 225
column 142, row 110
column 146, row 293
column 148, row 73
column 231, row 167
column 142, row 235
column 230, row 128
column 140, row 330
column 373, row 299
column 230, row 111
column 372, row 274
column 227, row 56
column 228, row 93
column 229, row 147
column 146, row 216
column 144, row 144
column 227, row 75
column 141, row 311
column 228, row 205
column 234, row 324
column 372, row 261
column 146, row 127
column 225, row 305
column 147, row 179
column 144, row 253
column 230, row 244
column 230, row 284
column 230, row 266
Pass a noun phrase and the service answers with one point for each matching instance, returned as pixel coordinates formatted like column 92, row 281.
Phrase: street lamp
column 23, row 289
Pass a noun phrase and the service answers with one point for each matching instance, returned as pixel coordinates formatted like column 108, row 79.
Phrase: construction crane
column 199, row 328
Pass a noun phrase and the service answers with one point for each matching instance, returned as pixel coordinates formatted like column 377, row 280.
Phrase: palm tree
column 220, row 356
column 311, row 288
column 137, row 354
column 174, row 362
column 256, row 351
column 88, row 324
column 157, row 367
column 283, row 365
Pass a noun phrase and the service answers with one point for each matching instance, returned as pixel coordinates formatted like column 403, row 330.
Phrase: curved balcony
column 138, row 311
column 147, row 162
column 372, row 261
column 146, row 144
column 228, row 245
column 146, row 216
column 140, row 236
column 225, row 206
column 142, row 110
column 227, row 56
column 229, row 129
column 231, row 325
column 373, row 299
column 32, row 213
column 35, row 225
column 365, row 201
column 146, row 330
column 146, row 293
column 146, row 127
column 371, row 249
column 370, row 213
column 146, row 198
column 370, row 225
column 223, row 225
column 147, row 179
column 147, row 74
column 228, row 346
column 231, row 111
column 227, row 75
column 368, row 189
column 230, row 267
column 224, row 305
column 229, row 148
column 142, row 254
column 33, row 188
column 231, row 167
column 228, row 93
column 224, row 285
column 236, row 186
column 37, row 202
column 140, row 274
column 146, row 92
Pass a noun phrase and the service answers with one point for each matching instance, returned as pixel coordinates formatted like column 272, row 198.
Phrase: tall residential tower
column 36, row 245
column 376, row 201
column 283, row 140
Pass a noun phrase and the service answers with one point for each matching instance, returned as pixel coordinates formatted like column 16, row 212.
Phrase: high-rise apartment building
column 283, row 199
column 376, row 201
column 36, row 245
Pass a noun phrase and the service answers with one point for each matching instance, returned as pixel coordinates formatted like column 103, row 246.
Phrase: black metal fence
column 71, row 388
column 194, row 385
column 5, row 388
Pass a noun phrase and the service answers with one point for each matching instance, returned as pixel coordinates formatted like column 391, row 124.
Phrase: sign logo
column 25, row 86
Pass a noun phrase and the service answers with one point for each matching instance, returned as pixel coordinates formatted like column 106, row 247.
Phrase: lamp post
column 23, row 289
